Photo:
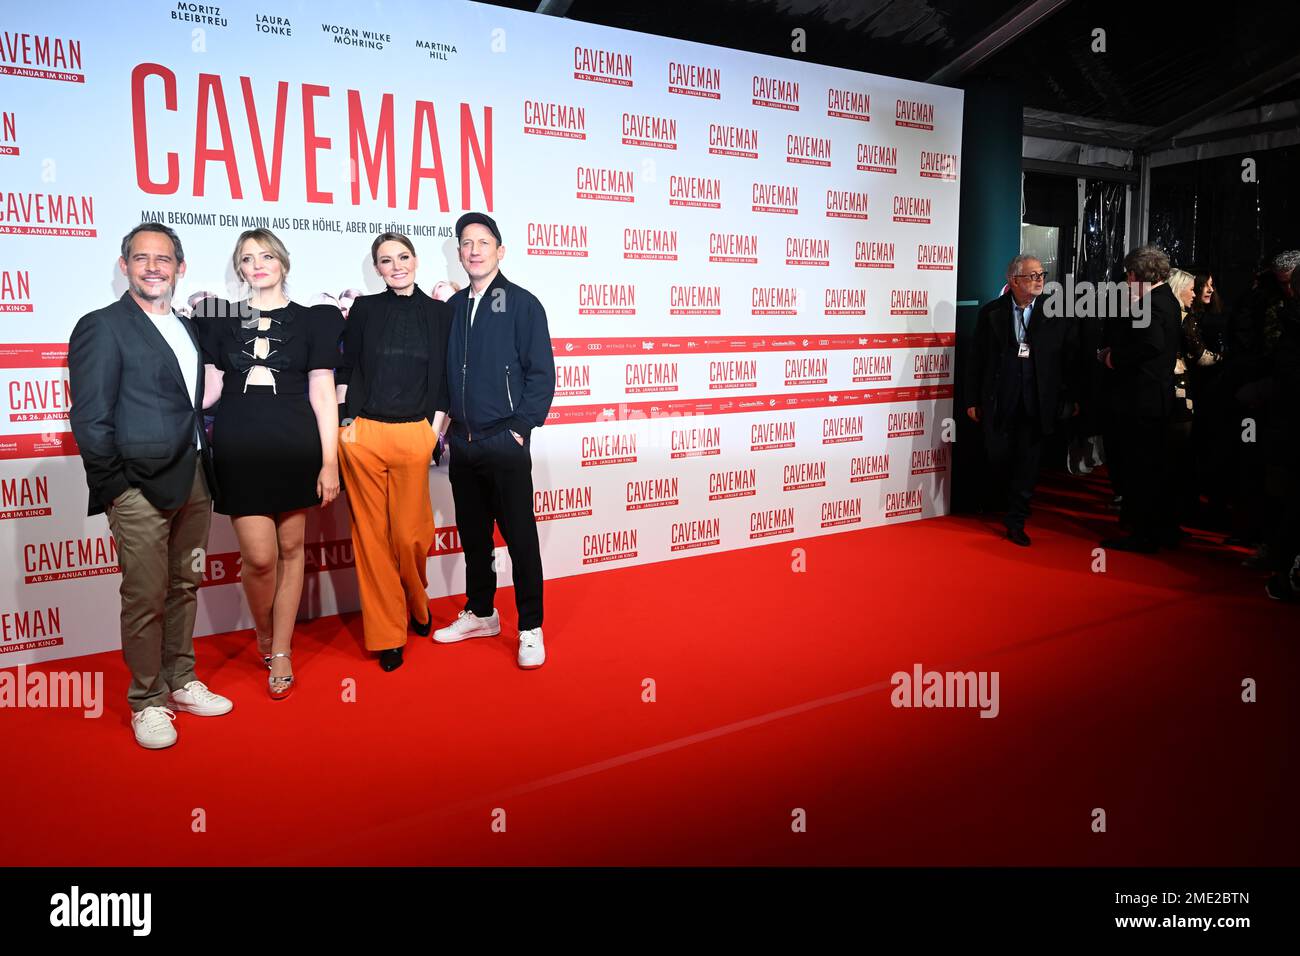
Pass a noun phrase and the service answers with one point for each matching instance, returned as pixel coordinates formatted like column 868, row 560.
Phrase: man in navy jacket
column 501, row 374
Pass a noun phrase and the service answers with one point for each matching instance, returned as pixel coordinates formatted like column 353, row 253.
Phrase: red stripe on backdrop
column 784, row 342
column 334, row 555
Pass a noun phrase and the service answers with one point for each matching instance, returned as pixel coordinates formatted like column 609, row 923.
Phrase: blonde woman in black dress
column 275, row 439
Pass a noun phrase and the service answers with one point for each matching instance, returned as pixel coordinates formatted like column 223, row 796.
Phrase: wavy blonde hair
column 267, row 240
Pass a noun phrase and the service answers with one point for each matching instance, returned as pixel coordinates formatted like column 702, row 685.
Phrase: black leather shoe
column 1172, row 537
column 422, row 629
column 1018, row 536
column 1133, row 543
column 391, row 659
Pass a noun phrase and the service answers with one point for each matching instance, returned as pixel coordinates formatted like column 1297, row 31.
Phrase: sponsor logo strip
column 620, row 411
column 33, row 355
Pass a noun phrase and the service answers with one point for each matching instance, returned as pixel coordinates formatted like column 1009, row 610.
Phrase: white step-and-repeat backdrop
column 748, row 264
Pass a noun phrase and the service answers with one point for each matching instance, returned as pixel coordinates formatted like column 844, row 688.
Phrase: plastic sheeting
column 1094, row 251
column 1208, row 215
column 1100, row 248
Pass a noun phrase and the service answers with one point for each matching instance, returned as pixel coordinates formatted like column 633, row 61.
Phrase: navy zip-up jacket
column 501, row 371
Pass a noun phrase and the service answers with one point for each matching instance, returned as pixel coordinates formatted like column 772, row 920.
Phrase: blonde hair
column 1180, row 282
column 268, row 241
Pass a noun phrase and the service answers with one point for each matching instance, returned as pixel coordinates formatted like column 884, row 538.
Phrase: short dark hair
column 388, row 237
column 154, row 227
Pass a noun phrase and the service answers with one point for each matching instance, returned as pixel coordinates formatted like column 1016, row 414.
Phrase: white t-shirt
column 187, row 356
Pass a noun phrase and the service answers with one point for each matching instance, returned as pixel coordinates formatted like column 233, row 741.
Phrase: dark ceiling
column 1162, row 60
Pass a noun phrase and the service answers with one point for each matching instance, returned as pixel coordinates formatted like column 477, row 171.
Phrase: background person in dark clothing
column 1203, row 331
column 1086, row 449
column 1284, row 537
column 502, row 376
column 1182, row 467
column 1253, row 332
column 1019, row 383
column 1141, row 355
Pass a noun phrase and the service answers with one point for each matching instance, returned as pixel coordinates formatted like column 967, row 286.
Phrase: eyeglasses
column 1033, row 276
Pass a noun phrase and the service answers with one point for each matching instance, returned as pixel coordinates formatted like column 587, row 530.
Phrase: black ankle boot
column 391, row 659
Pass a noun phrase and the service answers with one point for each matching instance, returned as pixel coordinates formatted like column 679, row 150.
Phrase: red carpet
column 1119, row 691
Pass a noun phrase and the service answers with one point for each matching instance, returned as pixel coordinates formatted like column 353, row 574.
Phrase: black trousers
column 1284, row 535
column 1015, row 450
column 492, row 481
column 1150, row 500
column 1182, row 470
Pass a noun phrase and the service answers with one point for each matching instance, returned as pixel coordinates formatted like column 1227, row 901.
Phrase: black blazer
column 1142, row 381
column 362, row 334
column 132, row 420
column 1054, row 344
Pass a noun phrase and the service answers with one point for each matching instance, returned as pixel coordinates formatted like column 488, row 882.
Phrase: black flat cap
column 477, row 217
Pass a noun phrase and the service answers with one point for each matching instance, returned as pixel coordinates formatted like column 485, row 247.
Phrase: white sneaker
column 1097, row 454
column 153, row 728
column 466, row 625
column 1076, row 461
column 195, row 698
column 532, row 652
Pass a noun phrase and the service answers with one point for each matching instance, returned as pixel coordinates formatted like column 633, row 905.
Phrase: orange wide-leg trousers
column 385, row 469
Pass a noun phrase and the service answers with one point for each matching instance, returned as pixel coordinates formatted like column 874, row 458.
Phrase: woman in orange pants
column 393, row 400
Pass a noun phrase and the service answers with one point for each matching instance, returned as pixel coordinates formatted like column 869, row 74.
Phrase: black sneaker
column 1172, row 537
column 1279, row 589
column 1132, row 542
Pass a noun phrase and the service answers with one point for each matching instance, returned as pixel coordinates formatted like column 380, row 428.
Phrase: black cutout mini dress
column 265, row 442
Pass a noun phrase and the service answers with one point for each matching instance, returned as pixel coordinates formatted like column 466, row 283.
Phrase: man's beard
column 155, row 294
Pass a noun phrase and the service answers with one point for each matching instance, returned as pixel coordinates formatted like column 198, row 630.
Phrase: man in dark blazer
column 1141, row 353
column 136, row 378
column 1019, row 382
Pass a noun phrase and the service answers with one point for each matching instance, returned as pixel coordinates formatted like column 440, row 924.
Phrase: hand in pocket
column 117, row 502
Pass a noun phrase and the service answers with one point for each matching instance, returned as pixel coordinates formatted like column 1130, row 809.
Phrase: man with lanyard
column 1017, row 382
